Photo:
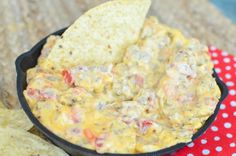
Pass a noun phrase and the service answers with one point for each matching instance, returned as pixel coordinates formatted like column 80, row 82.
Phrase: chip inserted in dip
column 118, row 82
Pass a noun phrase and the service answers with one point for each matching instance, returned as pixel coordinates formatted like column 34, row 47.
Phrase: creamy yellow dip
column 159, row 95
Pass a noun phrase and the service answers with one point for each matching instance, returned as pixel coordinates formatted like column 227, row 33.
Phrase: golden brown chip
column 14, row 118
column 15, row 142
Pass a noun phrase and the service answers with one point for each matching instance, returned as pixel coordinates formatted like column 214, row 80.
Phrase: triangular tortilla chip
column 16, row 142
column 14, row 118
column 100, row 36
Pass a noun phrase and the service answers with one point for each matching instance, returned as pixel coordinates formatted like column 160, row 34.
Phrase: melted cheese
column 157, row 96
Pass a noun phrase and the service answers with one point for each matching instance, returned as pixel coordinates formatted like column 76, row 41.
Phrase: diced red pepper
column 144, row 125
column 139, row 80
column 67, row 77
column 89, row 135
column 30, row 91
column 99, row 142
column 40, row 94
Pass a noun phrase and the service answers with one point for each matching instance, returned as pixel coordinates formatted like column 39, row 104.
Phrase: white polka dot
column 235, row 65
column 234, row 113
column 222, row 106
column 191, row 144
column 227, row 68
column 232, row 144
column 225, row 115
column 190, row 154
column 228, row 135
column 205, row 152
column 214, row 128
column 227, row 125
column 216, row 62
column 227, row 76
column 224, row 53
column 234, row 58
column 233, row 103
column 218, row 148
column 214, row 54
column 203, row 141
column 212, row 48
column 218, row 70
column 226, row 60
column 232, row 92
column 234, row 154
column 229, row 83
column 216, row 138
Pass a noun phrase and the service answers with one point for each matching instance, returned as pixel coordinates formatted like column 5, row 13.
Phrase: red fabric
column 220, row 138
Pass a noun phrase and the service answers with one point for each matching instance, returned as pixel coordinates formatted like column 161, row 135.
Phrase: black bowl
column 29, row 60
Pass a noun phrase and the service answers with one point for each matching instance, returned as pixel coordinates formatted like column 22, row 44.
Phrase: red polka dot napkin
column 220, row 138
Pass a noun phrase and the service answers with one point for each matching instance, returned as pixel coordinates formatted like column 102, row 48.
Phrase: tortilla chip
column 100, row 36
column 15, row 142
column 14, row 118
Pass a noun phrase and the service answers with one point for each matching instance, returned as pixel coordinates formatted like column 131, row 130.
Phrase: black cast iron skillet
column 29, row 60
